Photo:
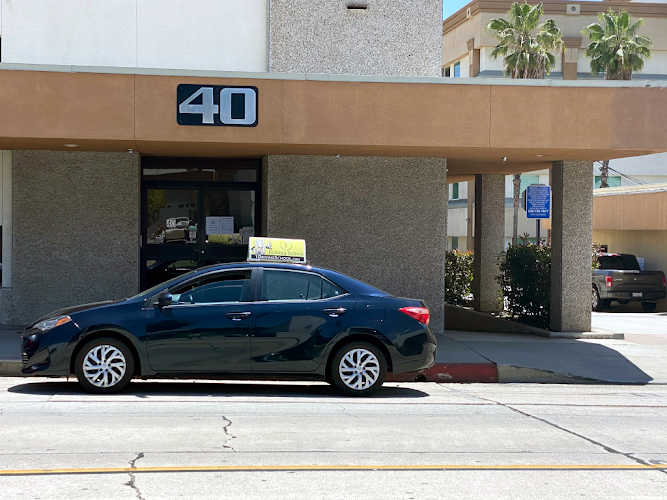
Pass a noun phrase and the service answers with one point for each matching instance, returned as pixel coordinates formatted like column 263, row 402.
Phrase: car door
column 207, row 326
column 297, row 313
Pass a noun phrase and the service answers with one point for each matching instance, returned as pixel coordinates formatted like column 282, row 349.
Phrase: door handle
column 334, row 312
column 238, row 316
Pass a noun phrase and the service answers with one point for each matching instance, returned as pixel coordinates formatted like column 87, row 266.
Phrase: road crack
column 228, row 435
column 608, row 449
column 131, row 483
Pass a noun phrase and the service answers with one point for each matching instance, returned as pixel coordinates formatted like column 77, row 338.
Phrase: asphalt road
column 164, row 440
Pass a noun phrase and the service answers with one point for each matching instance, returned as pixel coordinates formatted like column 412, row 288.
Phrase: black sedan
column 244, row 320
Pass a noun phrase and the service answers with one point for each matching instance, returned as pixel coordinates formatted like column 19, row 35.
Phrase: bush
column 526, row 283
column 458, row 278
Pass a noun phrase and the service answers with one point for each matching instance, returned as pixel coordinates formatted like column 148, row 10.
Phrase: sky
column 451, row 6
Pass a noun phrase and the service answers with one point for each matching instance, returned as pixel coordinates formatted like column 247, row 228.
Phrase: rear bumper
column 414, row 363
column 646, row 296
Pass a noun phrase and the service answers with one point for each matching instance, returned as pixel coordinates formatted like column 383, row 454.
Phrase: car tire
column 358, row 369
column 649, row 306
column 598, row 303
column 104, row 365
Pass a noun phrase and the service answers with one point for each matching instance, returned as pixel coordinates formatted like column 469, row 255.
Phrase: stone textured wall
column 489, row 240
column 76, row 231
column 571, row 240
column 390, row 37
column 380, row 220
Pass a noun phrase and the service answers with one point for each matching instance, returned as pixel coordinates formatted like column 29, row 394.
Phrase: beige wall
column 651, row 245
column 646, row 211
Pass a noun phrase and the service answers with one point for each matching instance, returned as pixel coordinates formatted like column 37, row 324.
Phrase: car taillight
column 421, row 314
column 607, row 280
column 663, row 282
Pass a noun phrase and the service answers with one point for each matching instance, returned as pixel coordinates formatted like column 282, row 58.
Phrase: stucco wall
column 324, row 36
column 76, row 231
column 380, row 220
column 650, row 245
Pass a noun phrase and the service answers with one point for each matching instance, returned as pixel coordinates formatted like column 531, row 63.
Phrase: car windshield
column 165, row 284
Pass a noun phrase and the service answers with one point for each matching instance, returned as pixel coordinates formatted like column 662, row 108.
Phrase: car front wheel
column 358, row 369
column 104, row 365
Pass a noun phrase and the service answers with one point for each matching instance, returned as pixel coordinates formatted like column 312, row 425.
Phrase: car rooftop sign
column 277, row 250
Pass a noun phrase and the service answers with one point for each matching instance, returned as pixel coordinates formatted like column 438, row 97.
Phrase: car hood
column 74, row 309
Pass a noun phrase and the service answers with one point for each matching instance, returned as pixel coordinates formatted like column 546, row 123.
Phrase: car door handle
column 334, row 312
column 238, row 316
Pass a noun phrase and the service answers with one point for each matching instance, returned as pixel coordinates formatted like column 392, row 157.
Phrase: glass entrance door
column 196, row 212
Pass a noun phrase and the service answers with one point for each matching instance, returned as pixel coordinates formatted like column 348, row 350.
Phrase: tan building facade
column 467, row 45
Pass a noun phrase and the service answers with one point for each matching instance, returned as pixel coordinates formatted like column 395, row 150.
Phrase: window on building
column 457, row 70
column 447, row 71
column 612, row 180
column 527, row 180
column 455, row 191
column 455, row 242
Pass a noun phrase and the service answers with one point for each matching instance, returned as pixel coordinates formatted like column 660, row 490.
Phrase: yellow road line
column 277, row 468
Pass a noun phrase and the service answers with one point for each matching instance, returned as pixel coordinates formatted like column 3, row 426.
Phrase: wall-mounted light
column 71, row 145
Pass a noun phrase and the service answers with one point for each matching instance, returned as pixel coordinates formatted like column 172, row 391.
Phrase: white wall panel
column 82, row 32
column 226, row 35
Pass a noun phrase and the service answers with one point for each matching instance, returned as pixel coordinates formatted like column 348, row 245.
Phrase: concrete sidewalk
column 501, row 357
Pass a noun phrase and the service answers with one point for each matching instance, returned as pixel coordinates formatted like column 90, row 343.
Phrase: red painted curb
column 454, row 372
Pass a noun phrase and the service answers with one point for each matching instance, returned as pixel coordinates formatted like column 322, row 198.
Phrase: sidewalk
column 501, row 357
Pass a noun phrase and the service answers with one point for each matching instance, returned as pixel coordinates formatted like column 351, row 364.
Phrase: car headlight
column 51, row 323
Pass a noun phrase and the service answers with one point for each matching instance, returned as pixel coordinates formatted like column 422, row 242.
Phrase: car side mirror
column 164, row 299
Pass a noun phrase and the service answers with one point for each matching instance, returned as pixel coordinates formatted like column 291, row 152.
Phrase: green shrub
column 458, row 278
column 525, row 281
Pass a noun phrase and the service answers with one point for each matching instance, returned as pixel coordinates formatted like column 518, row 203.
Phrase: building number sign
column 216, row 105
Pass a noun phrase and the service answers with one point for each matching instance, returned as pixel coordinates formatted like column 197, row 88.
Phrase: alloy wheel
column 104, row 366
column 359, row 369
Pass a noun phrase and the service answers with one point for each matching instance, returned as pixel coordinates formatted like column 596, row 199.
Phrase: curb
column 10, row 368
column 451, row 372
column 586, row 335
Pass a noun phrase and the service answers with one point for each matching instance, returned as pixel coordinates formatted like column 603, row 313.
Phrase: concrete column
column 470, row 240
column 489, row 240
column 571, row 239
column 473, row 57
column 570, row 57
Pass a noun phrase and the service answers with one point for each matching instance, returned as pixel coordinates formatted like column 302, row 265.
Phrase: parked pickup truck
column 620, row 278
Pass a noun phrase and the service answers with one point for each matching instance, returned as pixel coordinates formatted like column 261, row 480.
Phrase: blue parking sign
column 538, row 202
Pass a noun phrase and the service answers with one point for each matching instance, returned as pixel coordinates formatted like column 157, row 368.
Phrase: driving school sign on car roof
column 277, row 250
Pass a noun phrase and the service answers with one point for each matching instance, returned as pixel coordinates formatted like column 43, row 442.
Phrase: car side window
column 291, row 285
column 229, row 286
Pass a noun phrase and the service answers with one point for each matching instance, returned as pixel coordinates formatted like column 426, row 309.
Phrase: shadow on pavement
column 575, row 359
column 212, row 388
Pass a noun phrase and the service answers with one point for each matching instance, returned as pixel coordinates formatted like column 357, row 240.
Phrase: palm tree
column 526, row 44
column 615, row 49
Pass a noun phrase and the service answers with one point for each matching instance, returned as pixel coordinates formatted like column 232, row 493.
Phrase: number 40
column 208, row 109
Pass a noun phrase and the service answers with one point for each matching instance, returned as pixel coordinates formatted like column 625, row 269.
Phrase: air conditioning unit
column 573, row 9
